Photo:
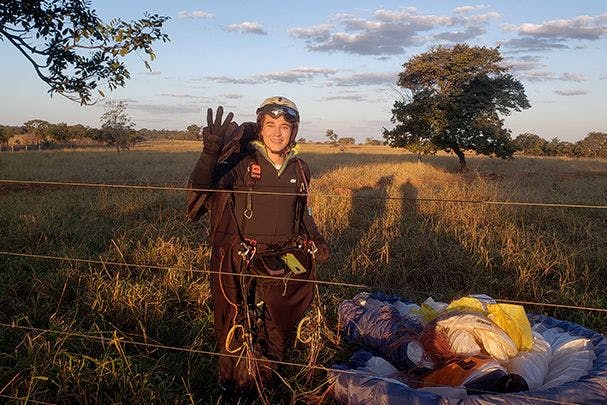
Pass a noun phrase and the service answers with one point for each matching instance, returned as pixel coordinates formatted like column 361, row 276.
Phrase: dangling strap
column 299, row 207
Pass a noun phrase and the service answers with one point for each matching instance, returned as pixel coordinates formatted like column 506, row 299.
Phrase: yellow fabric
column 510, row 318
column 293, row 263
column 427, row 313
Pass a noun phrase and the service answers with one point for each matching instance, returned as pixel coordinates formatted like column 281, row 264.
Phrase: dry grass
column 405, row 244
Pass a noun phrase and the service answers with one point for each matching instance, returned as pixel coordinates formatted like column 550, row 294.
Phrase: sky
column 337, row 60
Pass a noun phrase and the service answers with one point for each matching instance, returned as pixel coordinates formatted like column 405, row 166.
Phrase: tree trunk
column 462, row 160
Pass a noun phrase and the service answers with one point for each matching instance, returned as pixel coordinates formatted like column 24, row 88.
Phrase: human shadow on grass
column 356, row 248
column 431, row 261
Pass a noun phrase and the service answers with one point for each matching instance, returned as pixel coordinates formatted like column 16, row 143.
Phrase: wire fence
column 117, row 341
column 278, row 193
column 122, row 340
column 277, row 278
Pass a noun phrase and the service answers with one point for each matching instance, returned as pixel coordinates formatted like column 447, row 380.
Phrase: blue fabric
column 364, row 388
column 382, row 329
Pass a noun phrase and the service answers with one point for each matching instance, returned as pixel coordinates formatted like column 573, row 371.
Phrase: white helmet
column 278, row 106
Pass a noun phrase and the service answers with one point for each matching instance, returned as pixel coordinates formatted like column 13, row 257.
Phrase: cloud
column 461, row 36
column 232, row 96
column 390, row 32
column 542, row 76
column 529, row 44
column 572, row 92
column 581, row 27
column 296, row 75
column 177, row 95
column 348, row 97
column 525, row 63
column 195, row 14
column 573, row 77
column 320, row 32
column 478, row 19
column 229, row 80
column 365, row 79
column 603, row 77
column 247, row 27
column 387, row 32
column 468, row 9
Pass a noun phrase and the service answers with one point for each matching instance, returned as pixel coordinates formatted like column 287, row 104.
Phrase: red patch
column 255, row 171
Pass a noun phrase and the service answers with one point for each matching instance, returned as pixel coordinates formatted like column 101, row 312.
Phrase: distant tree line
column 594, row 145
column 47, row 134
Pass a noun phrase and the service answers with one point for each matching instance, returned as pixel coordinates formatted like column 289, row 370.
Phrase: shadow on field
column 426, row 260
column 392, row 247
column 355, row 247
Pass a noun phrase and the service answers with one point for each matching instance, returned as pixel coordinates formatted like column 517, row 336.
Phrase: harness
column 260, row 258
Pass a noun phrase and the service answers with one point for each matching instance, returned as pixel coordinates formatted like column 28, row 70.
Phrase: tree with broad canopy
column 454, row 98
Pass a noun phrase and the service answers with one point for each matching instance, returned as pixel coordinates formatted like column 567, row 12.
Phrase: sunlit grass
column 377, row 207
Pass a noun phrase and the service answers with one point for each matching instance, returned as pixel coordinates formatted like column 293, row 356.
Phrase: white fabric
column 572, row 357
column 468, row 332
column 532, row 365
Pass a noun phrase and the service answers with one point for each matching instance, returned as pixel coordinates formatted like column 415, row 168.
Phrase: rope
column 116, row 340
column 102, row 262
column 277, row 193
column 269, row 277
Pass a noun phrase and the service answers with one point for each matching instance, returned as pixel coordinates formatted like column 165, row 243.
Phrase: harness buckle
column 312, row 248
column 246, row 250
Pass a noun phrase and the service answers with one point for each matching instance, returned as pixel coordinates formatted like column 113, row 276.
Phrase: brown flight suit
column 272, row 221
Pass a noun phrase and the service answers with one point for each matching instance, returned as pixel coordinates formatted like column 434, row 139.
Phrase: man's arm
column 213, row 136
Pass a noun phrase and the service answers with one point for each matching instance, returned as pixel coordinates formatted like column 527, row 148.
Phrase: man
column 255, row 188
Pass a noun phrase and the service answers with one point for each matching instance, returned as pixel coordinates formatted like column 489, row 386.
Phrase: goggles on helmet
column 277, row 110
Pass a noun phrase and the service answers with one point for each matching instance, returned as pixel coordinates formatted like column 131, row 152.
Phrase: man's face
column 275, row 133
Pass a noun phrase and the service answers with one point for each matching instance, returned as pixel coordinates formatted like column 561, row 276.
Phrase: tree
column 422, row 147
column 71, row 49
column 594, row 145
column 59, row 132
column 77, row 131
column 346, row 141
column 193, row 131
column 530, row 144
column 332, row 137
column 116, row 125
column 5, row 134
column 372, row 141
column 455, row 96
column 556, row 147
column 38, row 128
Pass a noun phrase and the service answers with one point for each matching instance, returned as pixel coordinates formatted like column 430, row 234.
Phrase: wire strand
column 184, row 269
column 211, row 353
column 277, row 278
column 27, row 400
column 278, row 193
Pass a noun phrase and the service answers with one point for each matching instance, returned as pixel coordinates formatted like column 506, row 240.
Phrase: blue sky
column 338, row 61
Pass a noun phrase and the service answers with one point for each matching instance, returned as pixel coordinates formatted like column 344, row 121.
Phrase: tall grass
column 377, row 207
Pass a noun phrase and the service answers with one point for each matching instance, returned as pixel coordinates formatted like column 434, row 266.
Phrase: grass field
column 383, row 213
